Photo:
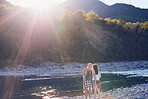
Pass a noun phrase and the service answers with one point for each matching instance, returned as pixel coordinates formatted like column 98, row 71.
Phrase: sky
column 35, row 3
column 136, row 3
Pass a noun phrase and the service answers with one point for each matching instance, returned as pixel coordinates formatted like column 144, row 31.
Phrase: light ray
column 26, row 42
column 36, row 4
column 60, row 44
column 5, row 18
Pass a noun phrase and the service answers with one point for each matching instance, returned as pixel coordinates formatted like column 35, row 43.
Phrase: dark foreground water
column 37, row 87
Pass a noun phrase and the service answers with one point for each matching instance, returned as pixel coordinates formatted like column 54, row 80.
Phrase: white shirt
column 97, row 76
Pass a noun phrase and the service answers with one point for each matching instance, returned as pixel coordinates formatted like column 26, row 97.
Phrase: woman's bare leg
column 94, row 91
column 89, row 94
column 98, row 93
column 85, row 94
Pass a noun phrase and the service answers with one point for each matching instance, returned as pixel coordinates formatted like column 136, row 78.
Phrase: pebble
column 135, row 92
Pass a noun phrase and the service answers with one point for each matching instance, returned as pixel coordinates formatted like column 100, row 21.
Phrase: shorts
column 98, row 83
column 87, row 85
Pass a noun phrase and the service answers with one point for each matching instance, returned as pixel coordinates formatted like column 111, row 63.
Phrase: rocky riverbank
column 48, row 70
column 56, row 69
column 139, row 91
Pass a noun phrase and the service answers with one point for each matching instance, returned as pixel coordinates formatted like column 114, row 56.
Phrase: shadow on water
column 34, row 88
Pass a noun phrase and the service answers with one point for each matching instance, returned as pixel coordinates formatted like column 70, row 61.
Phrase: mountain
column 126, row 12
column 5, row 2
column 2, row 1
column 4, row 6
column 75, row 37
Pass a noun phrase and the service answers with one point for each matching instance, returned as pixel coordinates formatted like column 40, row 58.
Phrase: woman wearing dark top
column 87, row 80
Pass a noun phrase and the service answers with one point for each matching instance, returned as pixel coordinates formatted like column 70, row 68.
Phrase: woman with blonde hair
column 87, row 80
column 96, row 80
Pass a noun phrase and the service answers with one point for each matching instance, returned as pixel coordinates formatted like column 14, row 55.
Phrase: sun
column 35, row 4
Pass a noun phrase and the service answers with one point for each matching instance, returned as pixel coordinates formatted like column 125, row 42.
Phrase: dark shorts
column 98, row 84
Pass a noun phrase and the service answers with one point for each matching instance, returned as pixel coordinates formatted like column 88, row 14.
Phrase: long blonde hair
column 89, row 66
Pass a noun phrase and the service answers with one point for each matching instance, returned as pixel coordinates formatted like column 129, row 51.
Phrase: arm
column 83, row 72
column 94, row 77
column 99, row 74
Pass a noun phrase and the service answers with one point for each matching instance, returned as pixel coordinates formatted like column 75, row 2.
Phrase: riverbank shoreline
column 48, row 71
column 72, row 69
column 139, row 91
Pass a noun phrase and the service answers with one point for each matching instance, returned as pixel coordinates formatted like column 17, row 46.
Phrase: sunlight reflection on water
column 46, row 92
column 46, row 97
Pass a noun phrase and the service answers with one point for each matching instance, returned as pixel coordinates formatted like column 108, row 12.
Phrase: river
column 37, row 87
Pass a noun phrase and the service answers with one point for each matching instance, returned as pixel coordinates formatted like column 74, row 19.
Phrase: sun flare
column 35, row 4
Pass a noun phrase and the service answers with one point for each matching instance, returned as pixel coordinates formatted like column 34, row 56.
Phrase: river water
column 37, row 87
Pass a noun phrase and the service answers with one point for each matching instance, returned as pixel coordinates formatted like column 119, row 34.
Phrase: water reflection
column 46, row 92
column 46, row 97
column 18, row 88
column 9, row 85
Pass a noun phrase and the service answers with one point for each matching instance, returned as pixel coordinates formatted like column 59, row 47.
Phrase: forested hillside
column 126, row 12
column 73, row 37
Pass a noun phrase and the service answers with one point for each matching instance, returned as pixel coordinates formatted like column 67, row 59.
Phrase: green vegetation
column 106, row 39
column 123, row 11
column 74, row 37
